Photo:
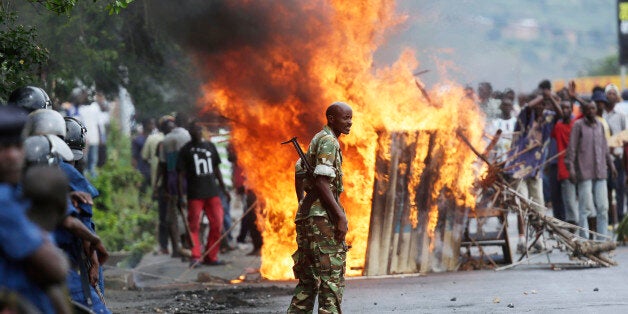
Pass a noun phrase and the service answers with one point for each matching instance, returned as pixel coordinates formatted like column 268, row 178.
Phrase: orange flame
column 281, row 89
column 240, row 279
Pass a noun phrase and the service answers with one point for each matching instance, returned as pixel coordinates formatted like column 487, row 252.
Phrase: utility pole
column 622, row 32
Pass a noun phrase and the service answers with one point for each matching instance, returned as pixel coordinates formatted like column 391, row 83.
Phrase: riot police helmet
column 75, row 136
column 45, row 121
column 46, row 150
column 30, row 98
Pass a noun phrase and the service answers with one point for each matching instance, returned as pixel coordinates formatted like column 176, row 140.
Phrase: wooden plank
column 405, row 225
column 373, row 250
column 389, row 219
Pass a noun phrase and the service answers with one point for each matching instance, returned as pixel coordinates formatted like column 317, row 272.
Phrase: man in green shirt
column 321, row 223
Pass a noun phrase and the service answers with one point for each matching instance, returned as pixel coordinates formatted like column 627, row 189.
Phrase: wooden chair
column 482, row 238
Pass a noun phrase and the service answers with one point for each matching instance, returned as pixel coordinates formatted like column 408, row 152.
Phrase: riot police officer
column 30, row 265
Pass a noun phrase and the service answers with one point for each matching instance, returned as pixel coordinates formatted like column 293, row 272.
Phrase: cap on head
column 611, row 87
column 599, row 96
column 45, row 121
column 12, row 121
column 30, row 98
column 75, row 136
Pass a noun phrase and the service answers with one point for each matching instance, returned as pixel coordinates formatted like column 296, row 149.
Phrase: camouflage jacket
column 325, row 157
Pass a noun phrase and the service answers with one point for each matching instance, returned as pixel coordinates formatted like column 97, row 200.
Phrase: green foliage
column 23, row 60
column 66, row 6
column 89, row 47
column 622, row 231
column 21, row 57
column 123, row 223
column 606, row 66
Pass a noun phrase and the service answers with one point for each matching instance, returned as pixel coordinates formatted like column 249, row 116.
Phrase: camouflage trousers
column 319, row 265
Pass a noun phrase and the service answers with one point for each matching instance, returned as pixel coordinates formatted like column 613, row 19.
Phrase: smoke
column 248, row 44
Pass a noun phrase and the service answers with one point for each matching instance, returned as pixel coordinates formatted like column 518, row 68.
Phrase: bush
column 122, row 221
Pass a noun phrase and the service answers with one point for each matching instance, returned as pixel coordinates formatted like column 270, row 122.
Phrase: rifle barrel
column 300, row 152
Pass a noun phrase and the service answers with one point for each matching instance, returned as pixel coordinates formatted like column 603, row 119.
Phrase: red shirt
column 561, row 133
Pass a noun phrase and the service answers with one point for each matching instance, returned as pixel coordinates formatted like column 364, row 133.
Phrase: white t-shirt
column 505, row 140
column 91, row 116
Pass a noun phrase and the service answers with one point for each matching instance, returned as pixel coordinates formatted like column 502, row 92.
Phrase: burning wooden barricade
column 412, row 229
column 418, row 223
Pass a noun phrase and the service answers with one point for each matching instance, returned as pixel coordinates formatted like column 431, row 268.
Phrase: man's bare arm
column 322, row 184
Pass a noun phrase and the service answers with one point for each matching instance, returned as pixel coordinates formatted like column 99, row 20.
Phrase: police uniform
column 319, row 262
column 72, row 245
column 19, row 237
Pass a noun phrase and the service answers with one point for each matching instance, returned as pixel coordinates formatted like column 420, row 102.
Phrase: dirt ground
column 198, row 299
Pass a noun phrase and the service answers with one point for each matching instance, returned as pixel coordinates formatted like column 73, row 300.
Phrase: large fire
column 310, row 54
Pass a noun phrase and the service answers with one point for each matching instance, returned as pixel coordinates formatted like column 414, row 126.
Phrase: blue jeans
column 555, row 191
column 568, row 191
column 226, row 222
column 593, row 200
column 619, row 186
column 92, row 159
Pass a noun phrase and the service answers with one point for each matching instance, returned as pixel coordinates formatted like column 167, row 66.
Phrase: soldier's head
column 12, row 120
column 47, row 189
column 339, row 118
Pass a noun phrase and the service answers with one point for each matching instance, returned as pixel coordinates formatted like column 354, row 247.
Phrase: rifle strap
column 308, row 201
column 84, row 274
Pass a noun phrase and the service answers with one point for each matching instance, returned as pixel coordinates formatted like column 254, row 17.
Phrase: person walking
column 197, row 165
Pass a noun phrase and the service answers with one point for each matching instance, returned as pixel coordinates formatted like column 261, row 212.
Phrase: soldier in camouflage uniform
column 321, row 223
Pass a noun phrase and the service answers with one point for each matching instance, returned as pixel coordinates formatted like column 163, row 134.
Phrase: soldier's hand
column 342, row 226
column 79, row 197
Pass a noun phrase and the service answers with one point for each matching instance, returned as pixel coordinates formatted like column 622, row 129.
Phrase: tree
column 84, row 45
column 22, row 57
column 609, row 65
column 66, row 6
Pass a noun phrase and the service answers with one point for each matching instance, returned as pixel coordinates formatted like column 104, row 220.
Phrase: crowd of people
column 182, row 166
column 50, row 255
column 563, row 150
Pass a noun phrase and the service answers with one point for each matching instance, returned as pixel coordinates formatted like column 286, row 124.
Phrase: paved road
column 525, row 288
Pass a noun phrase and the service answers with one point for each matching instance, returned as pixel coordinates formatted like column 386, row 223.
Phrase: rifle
column 96, row 287
column 297, row 147
column 312, row 195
